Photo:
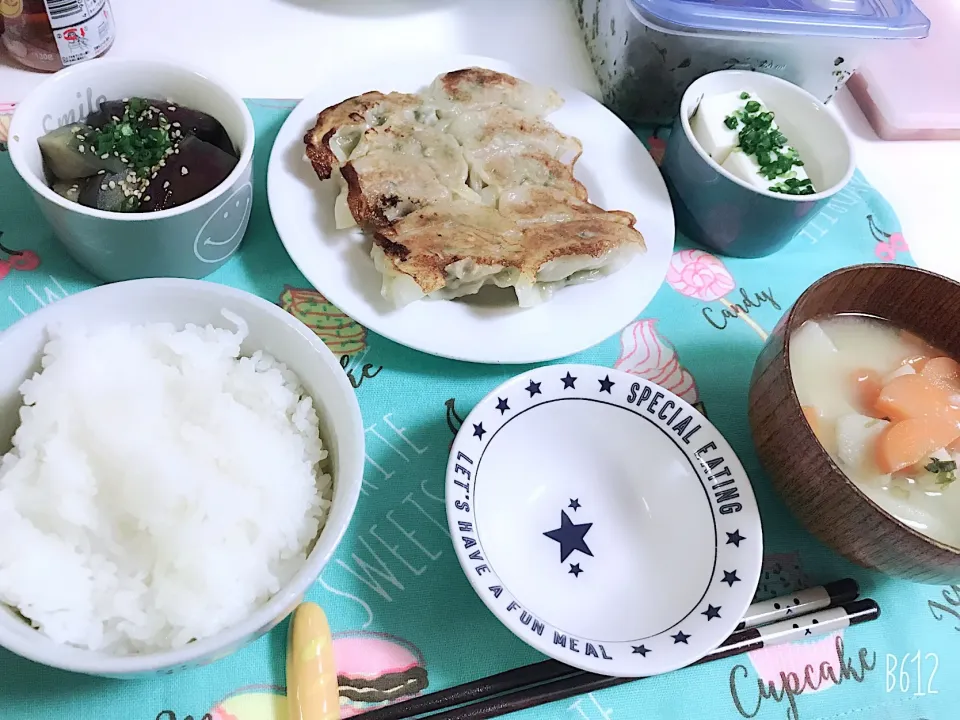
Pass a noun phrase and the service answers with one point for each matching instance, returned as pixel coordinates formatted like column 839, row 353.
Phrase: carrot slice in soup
column 914, row 396
column 906, row 443
column 813, row 419
column 866, row 390
column 943, row 372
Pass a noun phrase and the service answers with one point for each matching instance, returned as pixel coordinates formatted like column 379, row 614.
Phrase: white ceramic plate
column 615, row 167
column 603, row 520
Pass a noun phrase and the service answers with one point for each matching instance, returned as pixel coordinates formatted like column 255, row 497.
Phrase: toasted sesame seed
column 162, row 163
column 112, row 184
column 115, row 118
column 101, row 172
column 153, row 176
column 172, row 108
column 103, row 186
column 126, row 100
column 176, row 151
column 184, row 171
column 105, row 156
column 166, row 184
column 176, row 124
column 155, row 109
column 81, row 148
column 146, row 198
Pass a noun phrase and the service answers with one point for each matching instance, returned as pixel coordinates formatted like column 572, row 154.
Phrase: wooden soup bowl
column 811, row 484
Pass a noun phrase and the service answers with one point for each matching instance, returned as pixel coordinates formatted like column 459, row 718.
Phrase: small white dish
column 603, row 520
column 189, row 241
column 270, row 328
column 615, row 167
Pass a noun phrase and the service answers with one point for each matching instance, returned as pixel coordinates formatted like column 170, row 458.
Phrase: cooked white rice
column 160, row 486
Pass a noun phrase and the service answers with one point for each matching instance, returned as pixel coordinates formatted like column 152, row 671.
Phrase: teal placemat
column 394, row 592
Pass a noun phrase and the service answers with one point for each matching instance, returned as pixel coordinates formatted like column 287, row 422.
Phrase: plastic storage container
column 647, row 52
column 911, row 92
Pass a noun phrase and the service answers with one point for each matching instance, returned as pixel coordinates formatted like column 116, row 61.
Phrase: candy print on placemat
column 698, row 274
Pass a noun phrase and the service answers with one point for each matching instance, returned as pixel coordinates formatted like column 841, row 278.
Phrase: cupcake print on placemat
column 700, row 275
column 647, row 354
column 373, row 670
column 345, row 337
column 779, row 664
column 257, row 702
column 340, row 333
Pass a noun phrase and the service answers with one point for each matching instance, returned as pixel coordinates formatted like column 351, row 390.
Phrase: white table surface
column 269, row 48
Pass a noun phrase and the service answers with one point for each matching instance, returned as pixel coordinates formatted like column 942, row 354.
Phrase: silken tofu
column 747, row 168
column 728, row 126
column 709, row 127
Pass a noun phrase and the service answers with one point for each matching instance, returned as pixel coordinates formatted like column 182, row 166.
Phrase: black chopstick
column 760, row 613
column 830, row 620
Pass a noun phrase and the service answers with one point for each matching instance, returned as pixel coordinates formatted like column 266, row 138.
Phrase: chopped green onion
column 731, row 122
column 945, row 470
column 744, row 96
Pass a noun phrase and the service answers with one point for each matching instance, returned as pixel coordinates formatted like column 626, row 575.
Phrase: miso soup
column 886, row 406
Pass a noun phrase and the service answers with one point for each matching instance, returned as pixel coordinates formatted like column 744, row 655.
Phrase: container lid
column 877, row 19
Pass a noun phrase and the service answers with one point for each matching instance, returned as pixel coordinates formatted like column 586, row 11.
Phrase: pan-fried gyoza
column 464, row 185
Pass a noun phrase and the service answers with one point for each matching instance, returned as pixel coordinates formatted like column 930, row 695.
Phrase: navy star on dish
column 575, row 569
column 735, row 538
column 570, row 536
column 533, row 388
column 730, row 577
column 502, row 405
column 640, row 650
column 574, row 503
column 478, row 431
column 606, row 384
column 681, row 637
column 712, row 612
column 568, row 382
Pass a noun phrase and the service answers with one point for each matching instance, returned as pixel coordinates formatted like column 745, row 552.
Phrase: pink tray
column 908, row 89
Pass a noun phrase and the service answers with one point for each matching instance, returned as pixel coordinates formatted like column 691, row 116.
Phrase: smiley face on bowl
column 855, row 431
column 142, row 168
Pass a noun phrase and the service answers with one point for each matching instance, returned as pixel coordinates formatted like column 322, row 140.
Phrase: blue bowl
column 728, row 215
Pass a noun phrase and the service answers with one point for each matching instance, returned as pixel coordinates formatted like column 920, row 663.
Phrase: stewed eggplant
column 138, row 155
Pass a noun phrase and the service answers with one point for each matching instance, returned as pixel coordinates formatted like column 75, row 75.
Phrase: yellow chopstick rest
column 311, row 672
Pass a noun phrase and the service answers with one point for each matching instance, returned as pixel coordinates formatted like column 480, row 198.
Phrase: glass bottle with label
column 48, row 35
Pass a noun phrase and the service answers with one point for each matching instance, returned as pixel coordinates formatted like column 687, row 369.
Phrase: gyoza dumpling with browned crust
column 465, row 185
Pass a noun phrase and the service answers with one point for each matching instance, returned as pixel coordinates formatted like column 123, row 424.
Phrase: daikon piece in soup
column 886, row 406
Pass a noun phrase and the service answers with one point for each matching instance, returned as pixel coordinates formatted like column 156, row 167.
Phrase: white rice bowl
column 160, row 487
